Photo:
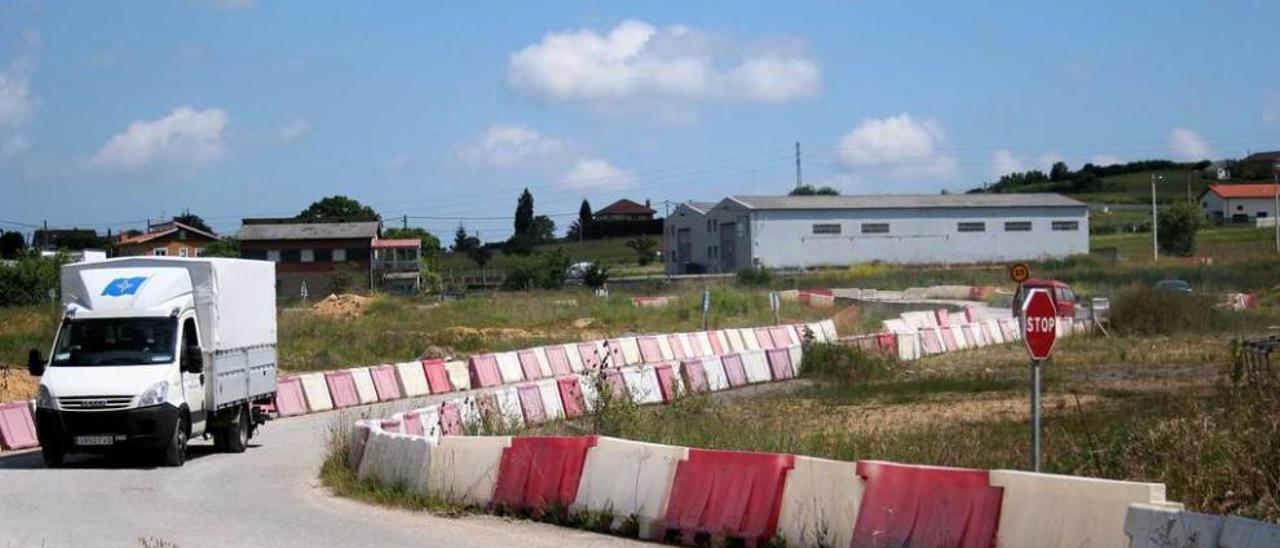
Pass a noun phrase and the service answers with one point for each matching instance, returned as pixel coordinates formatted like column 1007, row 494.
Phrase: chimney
column 646, row 203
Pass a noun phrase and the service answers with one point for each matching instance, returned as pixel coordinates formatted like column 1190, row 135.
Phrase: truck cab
column 147, row 357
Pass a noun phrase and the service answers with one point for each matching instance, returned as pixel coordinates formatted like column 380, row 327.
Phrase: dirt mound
column 342, row 306
column 16, row 385
column 583, row 323
column 500, row 333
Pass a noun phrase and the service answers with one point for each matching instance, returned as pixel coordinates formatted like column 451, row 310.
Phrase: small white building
column 813, row 231
column 1238, row 203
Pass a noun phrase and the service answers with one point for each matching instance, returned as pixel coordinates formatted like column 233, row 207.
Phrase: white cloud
column 17, row 106
column 1103, row 160
column 184, row 139
column 293, row 131
column 507, row 146
column 904, row 147
column 1271, row 109
column 595, row 174
column 1003, row 162
column 1187, row 145
column 636, row 59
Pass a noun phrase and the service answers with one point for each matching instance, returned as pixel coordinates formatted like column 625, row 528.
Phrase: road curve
column 268, row 496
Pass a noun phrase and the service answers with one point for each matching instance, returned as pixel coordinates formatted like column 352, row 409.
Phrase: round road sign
column 1019, row 272
column 1039, row 323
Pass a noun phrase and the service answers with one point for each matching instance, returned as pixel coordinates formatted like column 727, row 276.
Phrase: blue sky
column 111, row 113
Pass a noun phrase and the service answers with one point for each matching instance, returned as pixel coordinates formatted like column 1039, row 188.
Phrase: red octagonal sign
column 1039, row 323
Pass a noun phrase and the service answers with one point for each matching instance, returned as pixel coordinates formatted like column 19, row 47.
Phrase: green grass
column 1134, row 188
column 1219, row 244
column 610, row 251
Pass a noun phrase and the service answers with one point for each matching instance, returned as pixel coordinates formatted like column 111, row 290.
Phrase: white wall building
column 814, row 231
column 1238, row 203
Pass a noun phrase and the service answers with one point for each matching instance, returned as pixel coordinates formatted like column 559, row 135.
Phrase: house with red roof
column 625, row 210
column 171, row 239
column 1238, row 202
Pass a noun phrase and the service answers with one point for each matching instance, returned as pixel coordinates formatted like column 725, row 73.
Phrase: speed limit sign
column 1019, row 272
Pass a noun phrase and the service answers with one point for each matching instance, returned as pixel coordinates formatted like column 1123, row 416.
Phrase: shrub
column 645, row 246
column 539, row 271
column 1145, row 311
column 1178, row 225
column 756, row 275
column 844, row 364
column 344, row 278
column 29, row 280
column 596, row 275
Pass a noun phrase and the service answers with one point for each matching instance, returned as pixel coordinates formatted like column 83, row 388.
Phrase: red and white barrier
column 17, row 429
column 629, row 478
column 316, row 390
column 464, row 469
column 413, row 380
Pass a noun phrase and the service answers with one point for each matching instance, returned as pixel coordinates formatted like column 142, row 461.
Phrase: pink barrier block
column 531, row 404
column 450, row 419
column 765, row 338
column 384, row 382
column 559, row 360
column 749, row 335
column 948, row 339
column 968, row 336
column 529, row 365
column 438, row 376
column 780, row 363
column 970, row 314
column 716, row 348
column 944, row 317
column 781, row 338
column 342, row 389
column 905, row 505
column 616, row 359
column 650, row 352
column 484, row 371
column 412, row 423
column 613, row 380
column 734, row 370
column 696, row 347
column 695, row 376
column 17, row 429
column 677, row 345
column 667, row 382
column 590, row 359
column 289, row 398
column 989, row 333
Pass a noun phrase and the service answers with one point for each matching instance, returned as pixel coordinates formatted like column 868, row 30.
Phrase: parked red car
column 1063, row 297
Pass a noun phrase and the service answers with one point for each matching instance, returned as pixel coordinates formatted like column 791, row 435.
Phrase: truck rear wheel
column 237, row 435
column 175, row 453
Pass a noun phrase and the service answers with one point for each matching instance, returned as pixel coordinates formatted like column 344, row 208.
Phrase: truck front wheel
column 53, row 456
column 175, row 453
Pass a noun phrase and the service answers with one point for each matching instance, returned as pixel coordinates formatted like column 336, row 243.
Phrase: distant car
column 1174, row 286
column 1063, row 297
column 577, row 271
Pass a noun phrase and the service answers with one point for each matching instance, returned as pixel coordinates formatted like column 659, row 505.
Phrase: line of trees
column 1088, row 178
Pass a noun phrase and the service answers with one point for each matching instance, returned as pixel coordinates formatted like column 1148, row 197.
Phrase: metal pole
column 1275, row 214
column 1035, row 415
column 1155, row 223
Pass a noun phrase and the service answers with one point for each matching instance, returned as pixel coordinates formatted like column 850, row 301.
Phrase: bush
column 1145, row 311
column 29, row 280
column 756, row 275
column 596, row 275
column 1178, row 224
column 844, row 364
column 645, row 246
column 538, row 271
column 344, row 278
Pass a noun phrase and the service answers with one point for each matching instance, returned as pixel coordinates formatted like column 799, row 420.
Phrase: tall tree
column 12, row 244
column 1059, row 172
column 227, row 246
column 524, row 213
column 543, row 229
column 192, row 220
column 584, row 213
column 337, row 206
column 463, row 242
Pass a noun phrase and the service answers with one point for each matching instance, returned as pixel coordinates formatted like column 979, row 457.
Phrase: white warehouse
column 815, row 231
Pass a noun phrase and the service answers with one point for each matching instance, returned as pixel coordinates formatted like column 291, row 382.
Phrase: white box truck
column 154, row 351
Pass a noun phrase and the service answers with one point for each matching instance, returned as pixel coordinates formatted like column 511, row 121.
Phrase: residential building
column 314, row 252
column 65, row 238
column 397, row 265
column 813, row 231
column 1238, row 203
column 1218, row 171
column 687, row 247
column 625, row 210
column 169, row 239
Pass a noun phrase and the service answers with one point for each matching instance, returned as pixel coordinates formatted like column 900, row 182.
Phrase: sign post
column 1039, row 332
column 775, row 302
column 706, row 307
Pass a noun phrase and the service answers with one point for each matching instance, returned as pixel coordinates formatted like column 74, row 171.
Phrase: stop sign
column 1039, row 323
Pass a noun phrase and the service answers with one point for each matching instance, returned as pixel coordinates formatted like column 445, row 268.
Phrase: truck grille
column 94, row 403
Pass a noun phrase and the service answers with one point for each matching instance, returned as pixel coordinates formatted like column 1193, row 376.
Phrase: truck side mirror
column 192, row 360
column 35, row 363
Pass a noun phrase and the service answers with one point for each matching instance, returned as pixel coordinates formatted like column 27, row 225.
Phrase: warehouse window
column 971, row 227
column 826, row 228
column 308, row 256
column 875, row 228
column 290, row 255
column 339, row 255
column 1066, row 225
column 1017, row 226
column 273, row 256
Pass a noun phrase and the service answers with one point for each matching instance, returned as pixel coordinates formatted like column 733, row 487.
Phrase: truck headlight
column 157, row 394
column 44, row 398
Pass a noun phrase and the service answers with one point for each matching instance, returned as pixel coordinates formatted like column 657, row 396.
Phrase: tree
column 596, row 275
column 480, row 255
column 430, row 243
column 1059, row 172
column 12, row 244
column 524, row 213
column 227, row 246
column 1178, row 224
column 543, row 229
column 337, row 206
column 644, row 246
column 463, row 242
column 584, row 221
column 192, row 220
column 807, row 190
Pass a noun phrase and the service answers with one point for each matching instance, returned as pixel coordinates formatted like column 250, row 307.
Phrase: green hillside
column 611, row 251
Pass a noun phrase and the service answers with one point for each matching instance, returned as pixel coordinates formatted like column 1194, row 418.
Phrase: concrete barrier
column 630, row 351
column 412, row 378
column 1054, row 510
column 756, row 366
column 508, row 409
column 829, row 328
column 727, row 493
column 669, row 381
column 664, row 348
column 575, row 359
column 342, row 388
column 700, row 345
column 814, row 330
column 734, row 338
column 649, row 351
column 558, row 360
column 680, row 347
column 509, row 367
column 1166, row 526
column 529, row 365
column 385, row 385
column 316, row 391
column 797, row 354
column 1247, row 533
column 734, row 370
column 909, row 346
column 642, row 384
column 957, row 335
column 431, row 420
column 780, row 364
column 571, row 399
column 459, row 375
column 438, row 381
column 820, row 503
column 531, row 407
column 290, row 400
column 484, row 370
column 544, row 363
column 17, row 428
column 551, row 402
column 592, row 354
column 464, row 469
column 397, row 459
column 590, row 395
column 364, row 385
column 629, row 478
column 749, row 339
column 695, row 377
column 713, row 368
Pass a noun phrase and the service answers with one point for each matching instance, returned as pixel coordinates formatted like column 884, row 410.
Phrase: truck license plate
column 95, row 440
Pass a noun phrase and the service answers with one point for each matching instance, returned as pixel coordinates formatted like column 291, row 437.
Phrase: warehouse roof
column 700, row 207
column 305, row 229
column 906, row 201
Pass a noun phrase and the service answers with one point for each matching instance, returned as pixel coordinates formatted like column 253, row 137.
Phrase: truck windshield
column 116, row 341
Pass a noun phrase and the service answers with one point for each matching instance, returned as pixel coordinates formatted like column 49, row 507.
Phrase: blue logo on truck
column 120, row 287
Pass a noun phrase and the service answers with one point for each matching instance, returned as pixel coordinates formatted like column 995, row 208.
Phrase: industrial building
column 815, row 231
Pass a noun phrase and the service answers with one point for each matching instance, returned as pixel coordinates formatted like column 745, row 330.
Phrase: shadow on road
column 31, row 460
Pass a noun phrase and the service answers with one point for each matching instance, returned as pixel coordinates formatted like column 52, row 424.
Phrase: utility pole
column 44, row 236
column 799, row 182
column 404, row 222
column 1155, row 220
